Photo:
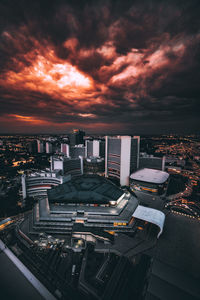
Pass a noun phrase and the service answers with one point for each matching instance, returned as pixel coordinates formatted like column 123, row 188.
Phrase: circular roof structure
column 91, row 189
column 150, row 176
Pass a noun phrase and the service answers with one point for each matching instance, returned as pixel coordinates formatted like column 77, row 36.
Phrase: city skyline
column 105, row 66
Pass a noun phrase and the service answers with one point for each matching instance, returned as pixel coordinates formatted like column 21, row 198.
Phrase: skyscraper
column 49, row 147
column 64, row 149
column 67, row 165
column 33, row 147
column 135, row 153
column 95, row 148
column 76, row 137
column 40, row 146
column 121, row 157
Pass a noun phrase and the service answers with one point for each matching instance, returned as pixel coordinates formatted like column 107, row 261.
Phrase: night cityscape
column 99, row 150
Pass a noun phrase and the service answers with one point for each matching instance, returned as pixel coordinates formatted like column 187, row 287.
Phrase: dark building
column 152, row 162
column 135, row 153
column 76, row 137
column 67, row 165
column 33, row 148
column 94, row 165
column 89, row 206
column 76, row 151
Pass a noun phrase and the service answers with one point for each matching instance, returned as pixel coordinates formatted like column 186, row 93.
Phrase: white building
column 37, row 183
column 95, row 148
column 151, row 162
column 67, row 165
column 40, row 146
column 121, row 157
column 64, row 149
column 49, row 147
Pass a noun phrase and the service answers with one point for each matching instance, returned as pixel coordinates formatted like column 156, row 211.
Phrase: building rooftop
column 150, row 175
column 85, row 189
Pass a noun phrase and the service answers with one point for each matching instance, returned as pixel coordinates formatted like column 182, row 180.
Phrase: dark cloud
column 101, row 65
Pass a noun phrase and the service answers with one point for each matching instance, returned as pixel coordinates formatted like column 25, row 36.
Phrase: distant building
column 49, row 147
column 95, row 148
column 150, row 181
column 37, row 183
column 174, row 161
column 135, row 153
column 151, row 162
column 121, row 157
column 40, row 146
column 94, row 165
column 67, row 165
column 64, row 149
column 76, row 137
column 33, row 147
column 76, row 151
column 24, row 191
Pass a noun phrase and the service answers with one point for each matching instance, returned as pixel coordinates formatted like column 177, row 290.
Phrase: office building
column 151, row 162
column 37, row 183
column 67, row 165
column 94, row 165
column 64, row 149
column 121, row 157
column 135, row 153
column 76, row 137
column 76, row 151
column 49, row 147
column 40, row 146
column 33, row 147
column 95, row 148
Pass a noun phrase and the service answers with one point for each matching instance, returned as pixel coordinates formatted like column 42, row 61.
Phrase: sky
column 129, row 67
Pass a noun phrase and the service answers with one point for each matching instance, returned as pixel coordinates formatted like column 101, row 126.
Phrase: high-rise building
column 76, row 151
column 135, row 153
column 152, row 162
column 40, row 146
column 95, row 148
column 94, row 165
column 76, row 137
column 64, row 149
column 24, row 192
column 67, row 165
column 49, row 147
column 121, row 157
column 32, row 147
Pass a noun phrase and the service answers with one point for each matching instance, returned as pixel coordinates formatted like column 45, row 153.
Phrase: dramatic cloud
column 104, row 66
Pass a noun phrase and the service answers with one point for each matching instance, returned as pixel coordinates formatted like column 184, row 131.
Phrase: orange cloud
column 49, row 74
column 29, row 119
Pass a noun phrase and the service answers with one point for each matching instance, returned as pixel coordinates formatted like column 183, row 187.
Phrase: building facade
column 64, row 149
column 152, row 162
column 95, row 148
column 49, row 147
column 121, row 157
column 40, row 146
column 76, row 137
column 149, row 181
column 37, row 183
column 67, row 165
column 76, row 151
